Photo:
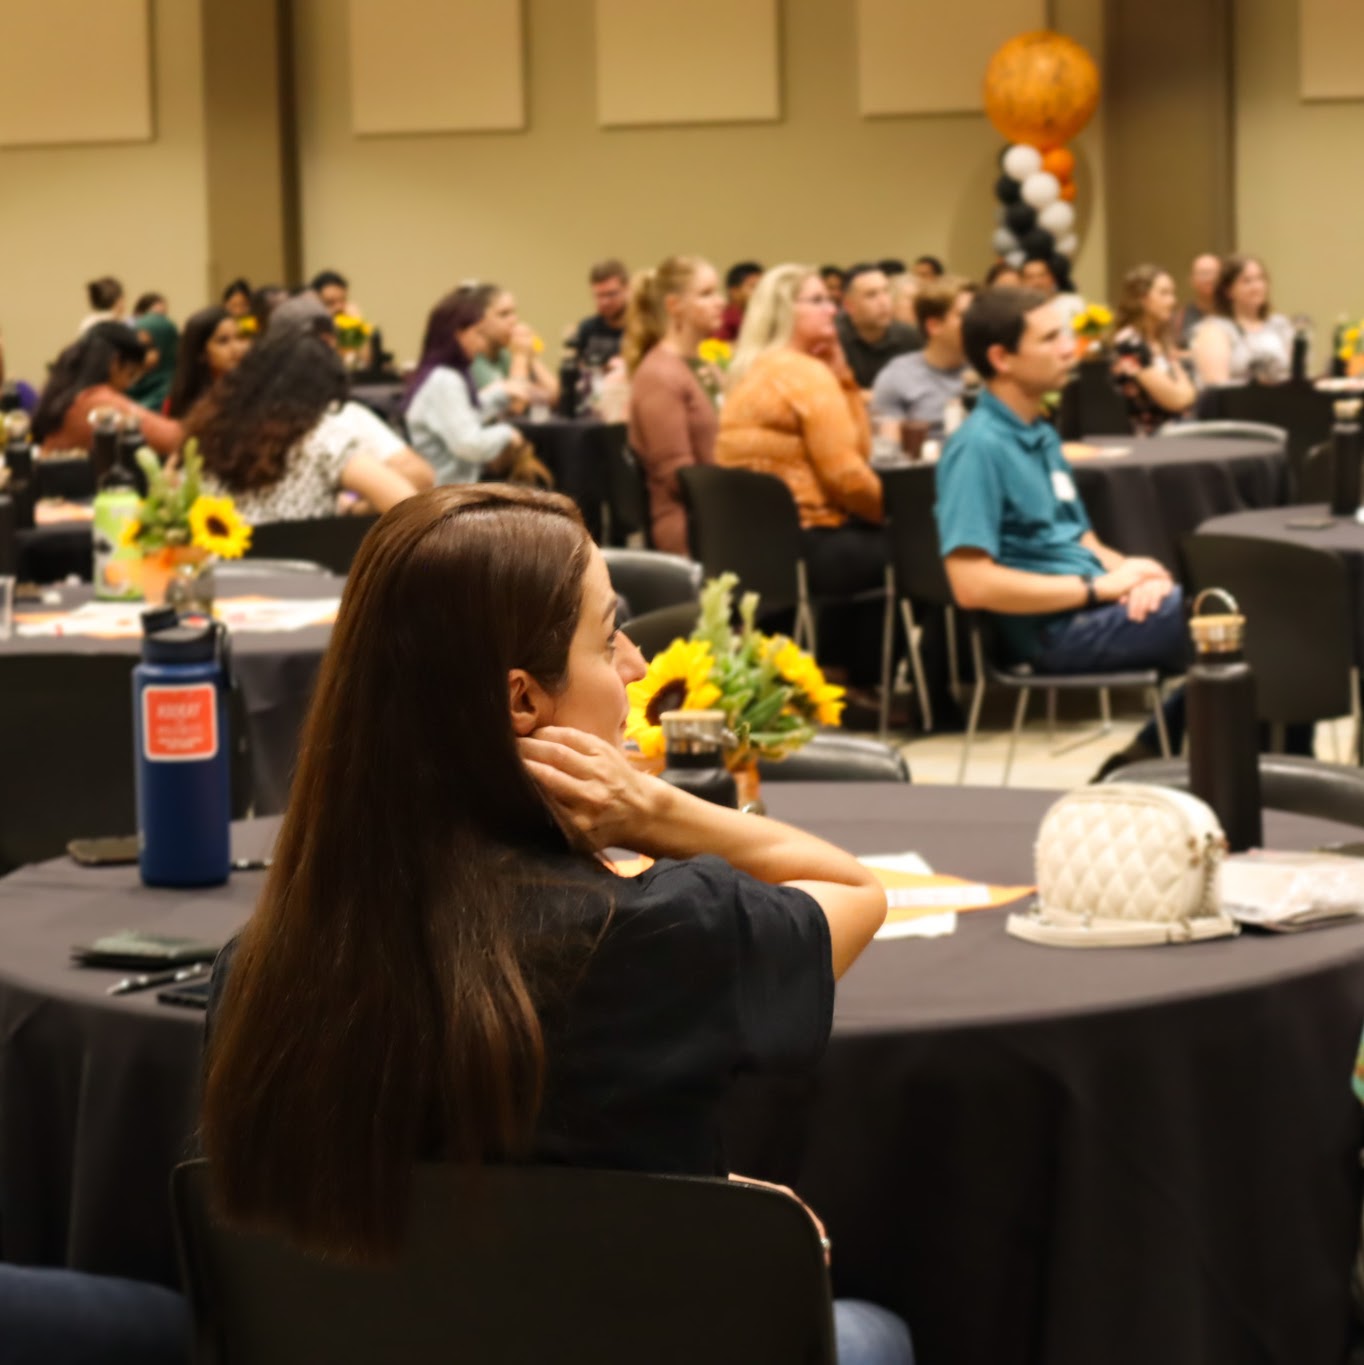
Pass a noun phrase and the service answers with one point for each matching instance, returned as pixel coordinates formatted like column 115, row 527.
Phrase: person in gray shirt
column 919, row 386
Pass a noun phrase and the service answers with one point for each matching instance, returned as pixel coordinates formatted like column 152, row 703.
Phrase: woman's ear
column 531, row 705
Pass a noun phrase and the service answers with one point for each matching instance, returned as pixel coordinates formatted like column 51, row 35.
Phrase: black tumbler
column 696, row 756
column 1224, row 729
column 1345, row 459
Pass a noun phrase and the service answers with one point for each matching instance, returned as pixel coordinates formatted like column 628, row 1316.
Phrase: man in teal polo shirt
column 1015, row 538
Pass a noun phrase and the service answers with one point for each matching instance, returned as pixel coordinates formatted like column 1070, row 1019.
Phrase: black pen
column 145, row 982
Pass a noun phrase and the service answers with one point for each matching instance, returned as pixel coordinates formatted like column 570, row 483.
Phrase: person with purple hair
column 441, row 405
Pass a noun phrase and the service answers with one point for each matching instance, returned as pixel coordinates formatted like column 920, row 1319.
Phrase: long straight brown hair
column 380, row 1007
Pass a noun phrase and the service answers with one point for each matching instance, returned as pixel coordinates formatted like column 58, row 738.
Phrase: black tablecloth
column 576, row 451
column 276, row 672
column 1147, row 501
column 1343, row 535
column 1037, row 1155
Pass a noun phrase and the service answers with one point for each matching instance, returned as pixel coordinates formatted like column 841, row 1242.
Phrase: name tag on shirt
column 1063, row 486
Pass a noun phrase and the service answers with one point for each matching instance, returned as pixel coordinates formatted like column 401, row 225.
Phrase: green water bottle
column 117, row 503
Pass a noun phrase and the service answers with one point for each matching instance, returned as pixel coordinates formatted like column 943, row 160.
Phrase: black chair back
column 1299, row 620
column 88, row 700
column 1091, row 404
column 651, row 579
column 329, row 541
column 517, row 1264
column 654, row 631
column 913, row 534
column 835, row 757
column 627, row 494
column 745, row 523
column 1305, row 786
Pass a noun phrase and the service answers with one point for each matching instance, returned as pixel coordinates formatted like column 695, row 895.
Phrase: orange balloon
column 1041, row 88
column 1060, row 161
column 1068, row 191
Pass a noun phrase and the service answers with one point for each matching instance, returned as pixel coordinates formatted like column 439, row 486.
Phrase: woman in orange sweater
column 794, row 410
column 94, row 373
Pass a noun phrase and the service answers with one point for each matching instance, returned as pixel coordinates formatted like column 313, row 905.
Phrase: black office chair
column 654, row 631
column 1300, row 624
column 627, row 498
column 87, row 700
column 651, row 579
column 329, row 541
column 835, row 757
column 1305, row 786
column 746, row 523
column 521, row 1264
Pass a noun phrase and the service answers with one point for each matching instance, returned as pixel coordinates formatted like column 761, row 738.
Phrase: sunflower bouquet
column 710, row 366
column 772, row 692
column 351, row 332
column 1093, row 322
column 177, row 515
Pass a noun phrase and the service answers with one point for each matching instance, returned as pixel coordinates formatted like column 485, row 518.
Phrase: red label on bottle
column 180, row 724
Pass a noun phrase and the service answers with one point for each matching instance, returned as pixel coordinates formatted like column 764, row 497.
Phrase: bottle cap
column 17, row 426
column 694, row 732
column 181, row 644
column 104, row 419
column 1347, row 409
column 1218, row 633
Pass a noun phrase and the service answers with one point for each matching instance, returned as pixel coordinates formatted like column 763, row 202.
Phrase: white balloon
column 1068, row 245
column 1004, row 241
column 1021, row 161
column 1016, row 259
column 1058, row 218
column 1040, row 189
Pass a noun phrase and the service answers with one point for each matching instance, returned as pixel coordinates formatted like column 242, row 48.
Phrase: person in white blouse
column 1246, row 340
column 441, row 407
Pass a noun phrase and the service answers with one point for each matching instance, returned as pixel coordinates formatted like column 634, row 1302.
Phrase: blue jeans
column 1105, row 639
column 867, row 1334
column 64, row 1317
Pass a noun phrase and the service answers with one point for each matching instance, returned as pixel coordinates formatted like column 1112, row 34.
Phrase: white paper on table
column 924, row 926
column 969, row 897
column 273, row 614
column 94, row 618
column 897, row 862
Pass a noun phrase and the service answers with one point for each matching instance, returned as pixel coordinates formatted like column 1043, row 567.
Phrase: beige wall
column 1299, row 198
column 407, row 217
column 136, row 211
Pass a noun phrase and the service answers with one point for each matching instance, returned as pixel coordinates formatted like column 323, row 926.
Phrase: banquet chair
column 1305, row 786
column 87, row 700
column 746, row 523
column 1226, row 430
column 1091, row 405
column 653, row 631
column 329, row 541
column 915, row 573
column 524, row 1263
column 832, row 756
column 651, row 579
column 626, row 514
column 1297, row 406
column 1301, row 624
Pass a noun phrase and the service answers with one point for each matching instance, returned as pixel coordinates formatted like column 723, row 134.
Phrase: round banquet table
column 1036, row 1155
column 275, row 669
column 1344, row 536
column 1144, row 502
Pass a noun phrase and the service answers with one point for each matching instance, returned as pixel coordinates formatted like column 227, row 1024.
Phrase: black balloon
column 1007, row 190
column 1060, row 270
column 1037, row 242
column 1020, row 218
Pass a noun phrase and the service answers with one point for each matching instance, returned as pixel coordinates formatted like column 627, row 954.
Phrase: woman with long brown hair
column 673, row 308
column 1146, row 366
column 441, row 966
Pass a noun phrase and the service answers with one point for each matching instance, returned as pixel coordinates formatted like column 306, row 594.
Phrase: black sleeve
column 773, row 943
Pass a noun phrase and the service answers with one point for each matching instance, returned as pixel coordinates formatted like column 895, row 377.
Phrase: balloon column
column 1040, row 90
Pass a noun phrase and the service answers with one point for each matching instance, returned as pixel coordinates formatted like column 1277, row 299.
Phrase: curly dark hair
column 248, row 424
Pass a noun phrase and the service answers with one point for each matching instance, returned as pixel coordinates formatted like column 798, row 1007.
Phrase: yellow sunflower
column 679, row 679
column 130, row 534
column 215, row 526
column 821, row 700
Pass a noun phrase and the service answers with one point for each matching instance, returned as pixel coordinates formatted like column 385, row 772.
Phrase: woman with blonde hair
column 795, row 411
column 1145, row 366
column 673, row 308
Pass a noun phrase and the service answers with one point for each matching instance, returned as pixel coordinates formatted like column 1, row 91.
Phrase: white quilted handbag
column 1124, row 865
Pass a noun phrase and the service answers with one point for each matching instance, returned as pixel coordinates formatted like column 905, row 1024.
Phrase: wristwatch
column 1091, row 592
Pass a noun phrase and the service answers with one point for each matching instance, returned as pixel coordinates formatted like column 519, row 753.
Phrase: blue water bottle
column 184, row 787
